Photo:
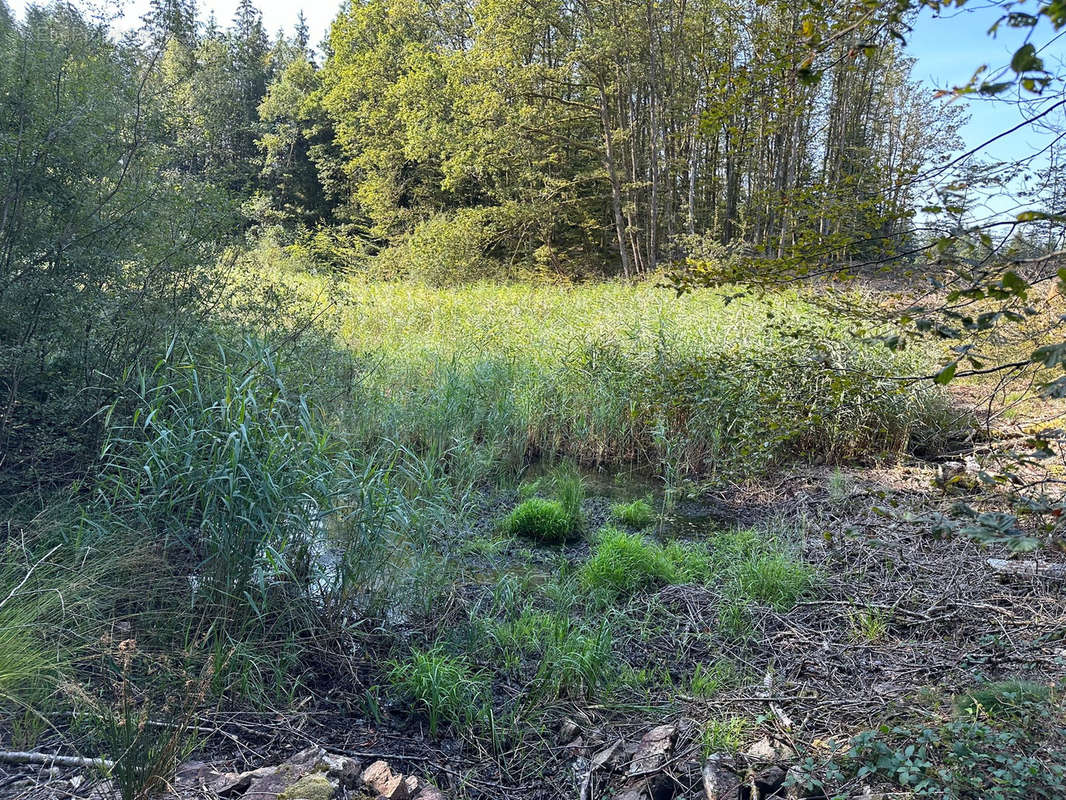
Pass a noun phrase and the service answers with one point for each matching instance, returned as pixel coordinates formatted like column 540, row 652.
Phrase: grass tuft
column 775, row 579
column 638, row 514
column 626, row 562
column 539, row 519
column 724, row 735
column 443, row 685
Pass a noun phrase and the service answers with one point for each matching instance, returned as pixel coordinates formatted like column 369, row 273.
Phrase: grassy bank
column 487, row 376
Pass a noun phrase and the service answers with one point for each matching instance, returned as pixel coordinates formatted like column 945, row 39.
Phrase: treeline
column 472, row 138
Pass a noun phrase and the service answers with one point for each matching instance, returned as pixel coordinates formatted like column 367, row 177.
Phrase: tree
column 105, row 247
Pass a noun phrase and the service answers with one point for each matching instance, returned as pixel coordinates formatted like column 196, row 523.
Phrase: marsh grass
column 624, row 562
column 445, row 686
column 616, row 373
column 635, row 514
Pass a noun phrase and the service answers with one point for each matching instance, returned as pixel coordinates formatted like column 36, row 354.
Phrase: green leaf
column 1026, row 60
column 945, row 375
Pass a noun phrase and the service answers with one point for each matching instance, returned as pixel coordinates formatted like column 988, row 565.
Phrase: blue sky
column 948, row 49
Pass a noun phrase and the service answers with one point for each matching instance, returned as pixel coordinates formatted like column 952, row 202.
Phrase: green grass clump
column 724, row 735
column 570, row 493
column 775, row 579
column 573, row 659
column 869, row 624
column 550, row 521
column 638, row 514
column 443, row 685
column 761, row 566
column 626, row 562
column 709, row 681
column 1003, row 699
column 540, row 519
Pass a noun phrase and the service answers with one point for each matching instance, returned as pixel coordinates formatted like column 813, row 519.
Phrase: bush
column 443, row 685
column 540, row 519
column 444, row 250
column 1002, row 699
column 638, row 514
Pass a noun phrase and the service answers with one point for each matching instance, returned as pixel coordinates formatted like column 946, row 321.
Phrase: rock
column 344, row 769
column 234, row 783
column 412, row 783
column 568, row 731
column 380, row 778
column 765, row 751
column 720, row 782
column 315, row 786
column 609, row 757
column 769, row 780
column 653, row 750
column 428, row 792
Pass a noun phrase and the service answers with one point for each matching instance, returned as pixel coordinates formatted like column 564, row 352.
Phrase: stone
column 720, row 782
column 380, row 778
column 233, row 783
column 428, row 792
column 765, row 751
column 344, row 769
column 412, row 783
column 568, row 731
column 653, row 750
column 316, row 786
column 770, row 780
column 609, row 757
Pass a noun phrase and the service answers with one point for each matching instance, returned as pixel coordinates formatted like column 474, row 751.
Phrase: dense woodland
column 634, row 398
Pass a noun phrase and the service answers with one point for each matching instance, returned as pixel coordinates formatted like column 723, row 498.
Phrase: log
column 1028, row 569
column 51, row 760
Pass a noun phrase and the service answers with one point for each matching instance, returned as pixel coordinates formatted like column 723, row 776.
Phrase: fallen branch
column 1028, row 569
column 50, row 760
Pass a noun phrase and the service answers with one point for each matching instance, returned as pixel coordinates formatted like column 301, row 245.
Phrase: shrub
column 443, row 685
column 540, row 519
column 638, row 514
column 444, row 250
column 965, row 757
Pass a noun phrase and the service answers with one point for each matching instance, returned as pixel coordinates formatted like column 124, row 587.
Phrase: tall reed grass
column 619, row 373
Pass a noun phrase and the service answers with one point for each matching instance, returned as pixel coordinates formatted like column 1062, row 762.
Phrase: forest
column 634, row 399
